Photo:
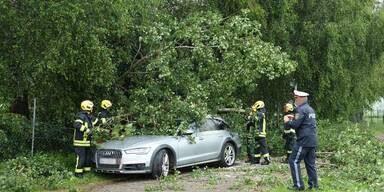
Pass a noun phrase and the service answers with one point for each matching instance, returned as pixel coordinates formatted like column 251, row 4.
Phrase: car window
column 209, row 125
column 192, row 126
column 222, row 125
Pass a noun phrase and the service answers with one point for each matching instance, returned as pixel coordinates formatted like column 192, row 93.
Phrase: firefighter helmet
column 288, row 108
column 87, row 105
column 105, row 104
column 258, row 105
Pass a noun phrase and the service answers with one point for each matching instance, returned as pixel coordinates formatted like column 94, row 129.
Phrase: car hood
column 133, row 141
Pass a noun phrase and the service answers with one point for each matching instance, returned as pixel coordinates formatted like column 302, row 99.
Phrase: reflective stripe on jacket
column 83, row 126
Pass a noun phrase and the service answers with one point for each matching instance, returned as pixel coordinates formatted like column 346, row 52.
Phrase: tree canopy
column 162, row 60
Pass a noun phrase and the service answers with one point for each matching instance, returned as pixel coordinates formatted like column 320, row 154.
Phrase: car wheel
column 161, row 164
column 228, row 155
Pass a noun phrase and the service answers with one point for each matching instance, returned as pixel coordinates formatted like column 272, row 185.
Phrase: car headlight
column 138, row 151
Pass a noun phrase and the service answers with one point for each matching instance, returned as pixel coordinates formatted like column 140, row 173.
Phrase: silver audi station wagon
column 206, row 142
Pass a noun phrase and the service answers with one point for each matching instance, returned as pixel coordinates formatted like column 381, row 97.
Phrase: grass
column 169, row 183
column 375, row 125
column 275, row 177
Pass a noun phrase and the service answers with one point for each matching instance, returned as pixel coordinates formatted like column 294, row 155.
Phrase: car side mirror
column 188, row 132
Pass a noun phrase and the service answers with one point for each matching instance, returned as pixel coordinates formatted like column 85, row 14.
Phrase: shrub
column 43, row 170
column 15, row 135
column 355, row 152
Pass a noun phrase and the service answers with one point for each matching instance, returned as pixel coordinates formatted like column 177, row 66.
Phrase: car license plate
column 108, row 161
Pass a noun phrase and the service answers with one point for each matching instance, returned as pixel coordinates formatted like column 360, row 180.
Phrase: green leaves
column 199, row 63
column 353, row 150
column 41, row 171
column 14, row 135
column 160, row 60
column 60, row 52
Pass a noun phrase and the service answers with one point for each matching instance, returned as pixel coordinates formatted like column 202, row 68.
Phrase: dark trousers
column 309, row 156
column 258, row 149
column 261, row 147
column 289, row 143
column 83, row 159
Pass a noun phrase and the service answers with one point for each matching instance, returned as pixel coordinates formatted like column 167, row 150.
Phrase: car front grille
column 106, row 166
column 109, row 154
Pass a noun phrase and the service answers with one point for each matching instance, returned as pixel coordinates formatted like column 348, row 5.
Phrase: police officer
column 304, row 124
column 289, row 132
column 258, row 121
column 82, row 138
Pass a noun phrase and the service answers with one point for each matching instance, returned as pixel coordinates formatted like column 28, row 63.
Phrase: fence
column 47, row 136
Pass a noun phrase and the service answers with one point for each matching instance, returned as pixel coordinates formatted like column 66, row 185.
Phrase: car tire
column 161, row 164
column 228, row 155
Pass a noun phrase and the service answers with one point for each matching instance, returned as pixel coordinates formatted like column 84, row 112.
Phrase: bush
column 44, row 171
column 12, row 182
column 355, row 152
column 53, row 137
column 15, row 135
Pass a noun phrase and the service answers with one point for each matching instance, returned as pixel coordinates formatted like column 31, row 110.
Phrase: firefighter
column 82, row 138
column 289, row 132
column 258, row 122
column 102, row 122
column 104, row 116
column 304, row 124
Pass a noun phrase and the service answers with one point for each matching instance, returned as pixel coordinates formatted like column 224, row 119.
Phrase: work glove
column 89, row 132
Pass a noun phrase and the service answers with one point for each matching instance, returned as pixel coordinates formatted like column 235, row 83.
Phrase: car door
column 210, row 137
column 188, row 147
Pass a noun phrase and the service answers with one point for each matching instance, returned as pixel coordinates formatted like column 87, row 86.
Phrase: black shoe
column 255, row 162
column 314, row 188
column 266, row 161
column 293, row 188
column 287, row 158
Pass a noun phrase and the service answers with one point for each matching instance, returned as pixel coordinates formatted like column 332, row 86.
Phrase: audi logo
column 108, row 153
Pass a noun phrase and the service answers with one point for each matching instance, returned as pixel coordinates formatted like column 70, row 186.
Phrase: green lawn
column 375, row 125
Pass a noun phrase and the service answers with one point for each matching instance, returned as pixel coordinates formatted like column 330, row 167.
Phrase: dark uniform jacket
column 258, row 120
column 83, row 128
column 103, row 118
column 304, row 125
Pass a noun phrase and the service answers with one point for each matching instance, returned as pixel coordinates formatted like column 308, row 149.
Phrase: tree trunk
column 20, row 106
